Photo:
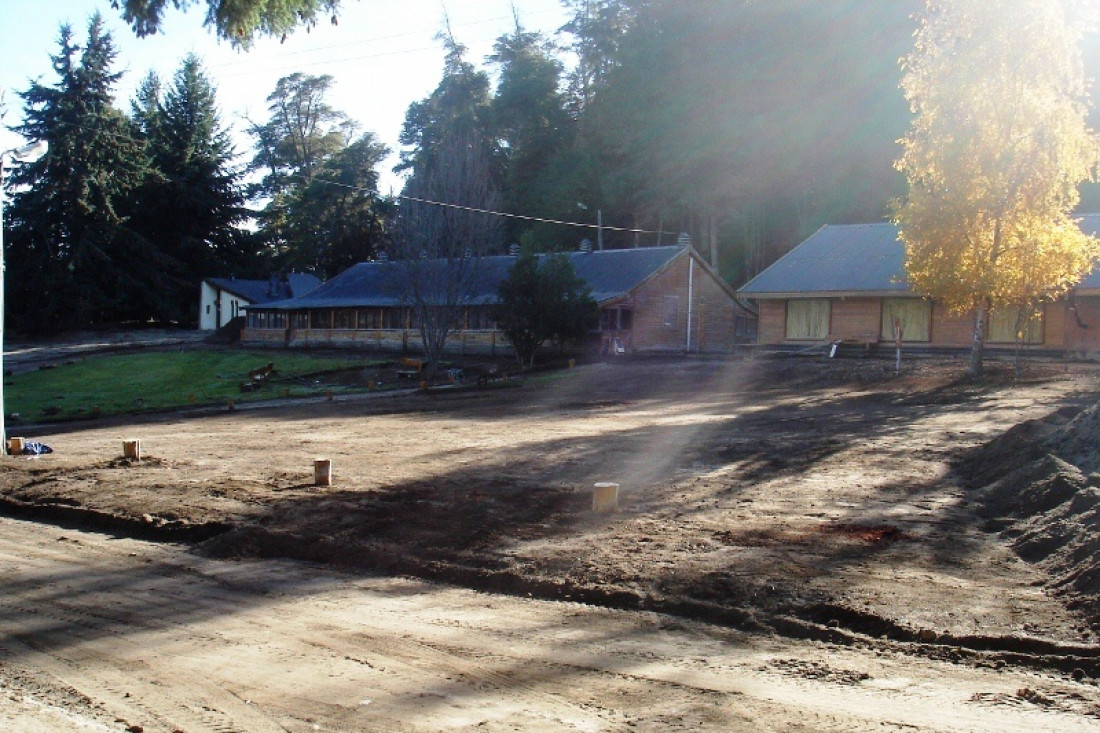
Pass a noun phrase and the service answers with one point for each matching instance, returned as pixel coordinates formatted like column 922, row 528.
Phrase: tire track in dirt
column 276, row 645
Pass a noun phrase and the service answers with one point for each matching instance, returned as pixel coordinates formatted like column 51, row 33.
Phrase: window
column 299, row 320
column 367, row 319
column 1007, row 325
column 807, row 319
column 344, row 319
column 617, row 319
column 393, row 318
column 319, row 319
column 915, row 315
column 480, row 319
column 671, row 311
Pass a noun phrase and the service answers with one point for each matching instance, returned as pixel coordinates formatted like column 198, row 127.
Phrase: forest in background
column 746, row 125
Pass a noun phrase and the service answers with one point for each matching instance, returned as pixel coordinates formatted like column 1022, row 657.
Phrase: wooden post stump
column 605, row 498
column 322, row 472
column 15, row 446
column 131, row 449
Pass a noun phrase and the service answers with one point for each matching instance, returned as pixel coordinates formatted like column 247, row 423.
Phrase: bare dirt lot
column 799, row 504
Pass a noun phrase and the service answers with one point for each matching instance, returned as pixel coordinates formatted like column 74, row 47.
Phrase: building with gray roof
column 848, row 283
column 650, row 299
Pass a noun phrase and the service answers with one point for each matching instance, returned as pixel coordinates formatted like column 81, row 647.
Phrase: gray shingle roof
column 865, row 259
column 266, row 291
column 610, row 274
column 857, row 258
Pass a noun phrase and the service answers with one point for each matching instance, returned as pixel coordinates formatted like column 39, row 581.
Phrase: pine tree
column 239, row 21
column 74, row 259
column 191, row 205
column 533, row 125
column 323, row 211
column 338, row 219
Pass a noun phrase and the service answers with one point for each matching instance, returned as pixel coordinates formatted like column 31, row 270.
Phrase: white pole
column 599, row 229
column 691, row 288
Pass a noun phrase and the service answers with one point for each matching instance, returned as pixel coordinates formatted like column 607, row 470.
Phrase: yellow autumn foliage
column 996, row 151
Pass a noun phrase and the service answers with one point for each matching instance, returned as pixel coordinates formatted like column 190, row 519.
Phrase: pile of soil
column 1039, row 485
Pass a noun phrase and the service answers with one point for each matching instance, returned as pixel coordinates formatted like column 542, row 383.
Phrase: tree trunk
column 981, row 314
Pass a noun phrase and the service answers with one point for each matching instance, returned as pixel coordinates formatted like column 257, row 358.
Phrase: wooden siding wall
column 771, row 328
column 951, row 329
column 712, row 312
column 860, row 318
column 1082, row 330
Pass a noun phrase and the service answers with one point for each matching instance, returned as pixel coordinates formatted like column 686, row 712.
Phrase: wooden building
column 655, row 299
column 221, row 299
column 848, row 283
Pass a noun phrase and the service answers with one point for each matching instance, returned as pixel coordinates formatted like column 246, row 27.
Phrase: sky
column 382, row 55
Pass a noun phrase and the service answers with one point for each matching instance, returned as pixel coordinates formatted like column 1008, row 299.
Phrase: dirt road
column 101, row 633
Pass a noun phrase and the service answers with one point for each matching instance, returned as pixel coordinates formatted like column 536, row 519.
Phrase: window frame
column 826, row 322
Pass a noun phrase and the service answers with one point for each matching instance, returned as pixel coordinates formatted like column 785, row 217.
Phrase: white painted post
column 605, row 497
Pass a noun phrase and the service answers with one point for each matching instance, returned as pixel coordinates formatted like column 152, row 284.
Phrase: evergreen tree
column 191, row 205
column 302, row 130
column 540, row 301
column 74, row 259
column 239, row 21
column 744, row 122
column 339, row 218
column 598, row 28
column 533, row 126
column 323, row 212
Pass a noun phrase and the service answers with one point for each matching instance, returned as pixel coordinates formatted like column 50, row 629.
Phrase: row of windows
column 808, row 320
column 361, row 319
column 373, row 319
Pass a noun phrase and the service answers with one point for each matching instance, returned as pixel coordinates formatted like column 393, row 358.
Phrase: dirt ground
column 806, row 507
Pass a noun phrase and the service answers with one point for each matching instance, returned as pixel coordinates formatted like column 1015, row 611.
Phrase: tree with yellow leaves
column 997, row 148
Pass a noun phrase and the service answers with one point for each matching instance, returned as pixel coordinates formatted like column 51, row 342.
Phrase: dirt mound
column 1039, row 484
column 1079, row 441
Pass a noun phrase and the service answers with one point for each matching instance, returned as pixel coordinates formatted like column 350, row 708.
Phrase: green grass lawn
column 157, row 380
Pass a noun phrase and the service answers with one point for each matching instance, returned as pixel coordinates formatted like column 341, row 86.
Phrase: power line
column 429, row 202
column 490, row 212
column 376, row 39
column 280, row 57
